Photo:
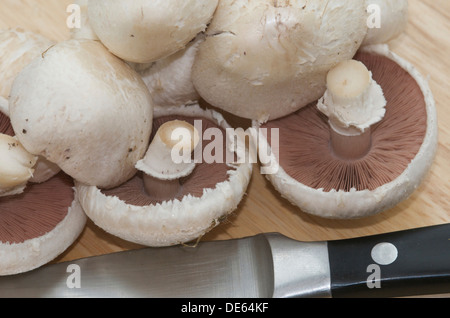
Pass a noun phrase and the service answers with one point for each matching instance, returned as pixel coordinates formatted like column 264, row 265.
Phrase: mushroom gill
column 36, row 211
column 5, row 125
column 306, row 153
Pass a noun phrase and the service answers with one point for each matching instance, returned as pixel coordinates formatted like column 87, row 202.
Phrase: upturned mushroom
column 358, row 157
column 143, row 31
column 84, row 109
column 174, row 201
column 262, row 60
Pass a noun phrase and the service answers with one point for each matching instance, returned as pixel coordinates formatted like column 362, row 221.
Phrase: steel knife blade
column 404, row 263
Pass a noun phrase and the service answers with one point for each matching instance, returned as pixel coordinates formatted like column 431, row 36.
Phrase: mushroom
column 17, row 166
column 84, row 109
column 342, row 171
column 262, row 60
column 143, row 31
column 169, row 80
column 20, row 47
column 387, row 20
column 38, row 225
column 189, row 206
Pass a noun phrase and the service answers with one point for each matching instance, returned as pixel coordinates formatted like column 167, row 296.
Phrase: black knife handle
column 405, row 263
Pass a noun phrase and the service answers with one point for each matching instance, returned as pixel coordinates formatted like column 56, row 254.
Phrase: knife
column 404, row 263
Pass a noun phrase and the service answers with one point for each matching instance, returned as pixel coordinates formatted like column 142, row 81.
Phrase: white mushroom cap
column 144, row 31
column 19, row 47
column 170, row 79
column 357, row 204
column 16, row 166
column 85, row 110
column 175, row 221
column 393, row 20
column 262, row 60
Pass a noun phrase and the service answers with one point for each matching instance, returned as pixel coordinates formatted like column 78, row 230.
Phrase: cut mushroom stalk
column 17, row 164
column 353, row 102
column 168, row 159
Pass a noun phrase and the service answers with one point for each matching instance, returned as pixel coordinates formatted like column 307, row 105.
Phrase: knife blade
column 403, row 263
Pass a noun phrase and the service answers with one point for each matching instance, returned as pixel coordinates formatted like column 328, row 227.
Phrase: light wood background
column 426, row 43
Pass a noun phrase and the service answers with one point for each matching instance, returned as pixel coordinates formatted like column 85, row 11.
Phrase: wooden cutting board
column 426, row 44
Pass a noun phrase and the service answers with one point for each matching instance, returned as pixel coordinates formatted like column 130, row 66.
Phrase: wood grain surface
column 426, row 44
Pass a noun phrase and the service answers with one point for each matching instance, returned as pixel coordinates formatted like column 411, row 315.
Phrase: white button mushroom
column 192, row 205
column 84, row 109
column 143, row 31
column 262, row 60
column 340, row 179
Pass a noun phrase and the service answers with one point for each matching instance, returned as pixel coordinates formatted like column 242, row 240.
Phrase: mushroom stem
column 17, row 163
column 350, row 147
column 161, row 190
column 168, row 159
column 353, row 102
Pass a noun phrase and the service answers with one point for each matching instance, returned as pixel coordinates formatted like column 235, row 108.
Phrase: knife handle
column 405, row 263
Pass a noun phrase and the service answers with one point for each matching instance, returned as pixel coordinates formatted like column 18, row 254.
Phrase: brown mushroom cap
column 402, row 148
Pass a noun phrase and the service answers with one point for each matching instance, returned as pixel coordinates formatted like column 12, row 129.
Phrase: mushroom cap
column 357, row 203
column 262, row 60
column 144, row 31
column 394, row 18
column 19, row 47
column 182, row 219
column 84, row 109
column 38, row 225
column 169, row 80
